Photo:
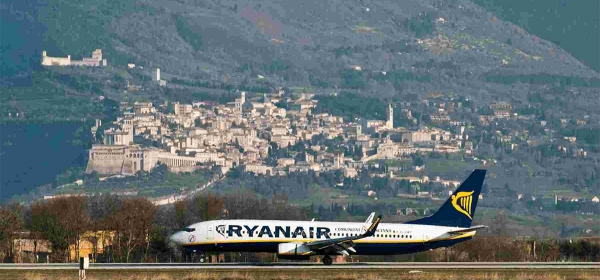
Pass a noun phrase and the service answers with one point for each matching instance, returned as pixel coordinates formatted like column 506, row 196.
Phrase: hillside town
column 244, row 133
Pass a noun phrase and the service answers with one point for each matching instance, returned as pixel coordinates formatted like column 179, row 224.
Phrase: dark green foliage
column 421, row 25
column 351, row 105
column 276, row 66
column 583, row 250
column 588, row 135
column 282, row 104
column 541, row 79
column 353, row 79
column 578, row 207
column 347, row 51
column 188, row 33
column 397, row 77
column 318, row 82
column 561, row 22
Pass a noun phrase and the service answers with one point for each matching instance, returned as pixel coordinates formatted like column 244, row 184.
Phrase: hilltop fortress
column 95, row 60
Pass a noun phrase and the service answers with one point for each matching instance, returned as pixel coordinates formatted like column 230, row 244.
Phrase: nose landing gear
column 327, row 260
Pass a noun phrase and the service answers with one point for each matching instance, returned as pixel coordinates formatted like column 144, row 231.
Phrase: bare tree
column 10, row 224
column 133, row 223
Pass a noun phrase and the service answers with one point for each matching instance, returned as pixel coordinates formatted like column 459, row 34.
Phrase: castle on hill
column 95, row 60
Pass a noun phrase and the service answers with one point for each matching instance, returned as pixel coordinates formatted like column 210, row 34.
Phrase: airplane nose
column 176, row 237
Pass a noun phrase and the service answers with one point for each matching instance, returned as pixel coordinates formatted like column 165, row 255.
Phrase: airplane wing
column 344, row 244
column 461, row 231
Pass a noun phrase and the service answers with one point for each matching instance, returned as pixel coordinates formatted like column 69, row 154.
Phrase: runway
column 297, row 265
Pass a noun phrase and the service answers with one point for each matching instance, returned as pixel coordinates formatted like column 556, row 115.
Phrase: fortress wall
column 112, row 159
column 56, row 61
column 183, row 169
column 120, row 159
column 85, row 62
column 107, row 159
column 106, row 165
column 95, row 60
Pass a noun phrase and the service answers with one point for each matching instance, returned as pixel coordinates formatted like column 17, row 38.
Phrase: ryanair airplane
column 298, row 240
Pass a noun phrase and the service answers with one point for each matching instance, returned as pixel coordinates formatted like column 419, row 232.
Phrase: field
column 341, row 274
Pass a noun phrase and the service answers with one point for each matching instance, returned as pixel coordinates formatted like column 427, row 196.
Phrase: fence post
column 84, row 262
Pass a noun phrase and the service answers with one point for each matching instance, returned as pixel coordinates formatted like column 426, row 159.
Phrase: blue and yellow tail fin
column 459, row 209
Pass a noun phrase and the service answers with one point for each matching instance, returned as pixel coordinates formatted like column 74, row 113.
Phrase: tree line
column 133, row 229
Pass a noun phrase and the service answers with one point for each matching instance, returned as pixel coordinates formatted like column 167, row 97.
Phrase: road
column 294, row 266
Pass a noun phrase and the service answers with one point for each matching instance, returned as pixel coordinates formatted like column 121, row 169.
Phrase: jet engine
column 293, row 251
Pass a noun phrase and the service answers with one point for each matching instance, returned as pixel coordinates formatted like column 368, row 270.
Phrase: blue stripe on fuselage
column 361, row 248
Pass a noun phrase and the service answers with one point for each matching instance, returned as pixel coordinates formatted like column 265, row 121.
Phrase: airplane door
column 426, row 238
column 210, row 232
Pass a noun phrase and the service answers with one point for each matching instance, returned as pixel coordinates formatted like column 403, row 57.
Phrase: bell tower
column 390, row 117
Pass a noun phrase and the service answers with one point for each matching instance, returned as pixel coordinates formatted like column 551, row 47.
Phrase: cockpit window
column 187, row 229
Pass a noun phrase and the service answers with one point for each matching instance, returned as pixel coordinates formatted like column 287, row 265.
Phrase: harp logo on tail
column 462, row 202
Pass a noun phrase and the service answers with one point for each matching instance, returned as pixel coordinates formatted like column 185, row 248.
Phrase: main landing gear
column 327, row 260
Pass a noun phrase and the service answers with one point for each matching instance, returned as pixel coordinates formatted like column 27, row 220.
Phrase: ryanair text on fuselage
column 284, row 231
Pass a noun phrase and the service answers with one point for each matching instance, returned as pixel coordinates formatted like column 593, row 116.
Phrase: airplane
column 299, row 240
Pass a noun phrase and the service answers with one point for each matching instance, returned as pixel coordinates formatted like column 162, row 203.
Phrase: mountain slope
column 421, row 45
column 572, row 25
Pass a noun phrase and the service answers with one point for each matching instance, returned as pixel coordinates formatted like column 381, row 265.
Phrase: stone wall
column 55, row 61
column 107, row 160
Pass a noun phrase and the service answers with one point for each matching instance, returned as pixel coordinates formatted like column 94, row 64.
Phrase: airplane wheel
column 327, row 260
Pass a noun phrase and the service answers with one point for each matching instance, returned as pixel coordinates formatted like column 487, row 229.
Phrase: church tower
column 390, row 117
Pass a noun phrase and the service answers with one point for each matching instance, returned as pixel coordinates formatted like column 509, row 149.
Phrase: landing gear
column 327, row 260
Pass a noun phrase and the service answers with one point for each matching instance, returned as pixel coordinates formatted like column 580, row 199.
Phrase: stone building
column 113, row 159
column 95, row 60
column 55, row 61
column 259, row 169
column 117, row 137
column 182, row 109
column 27, row 248
column 390, row 149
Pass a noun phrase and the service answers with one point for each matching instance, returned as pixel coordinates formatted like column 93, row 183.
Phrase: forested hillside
column 572, row 25
column 383, row 49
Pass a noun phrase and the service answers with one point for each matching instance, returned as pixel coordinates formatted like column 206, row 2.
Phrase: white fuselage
column 265, row 235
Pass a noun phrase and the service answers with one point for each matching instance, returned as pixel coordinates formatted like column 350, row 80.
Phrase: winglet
column 370, row 218
column 373, row 227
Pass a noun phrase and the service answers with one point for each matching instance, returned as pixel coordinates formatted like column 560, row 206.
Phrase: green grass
column 146, row 185
column 445, row 165
column 398, row 162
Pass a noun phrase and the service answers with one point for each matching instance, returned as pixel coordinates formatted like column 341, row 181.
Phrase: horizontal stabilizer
column 461, row 231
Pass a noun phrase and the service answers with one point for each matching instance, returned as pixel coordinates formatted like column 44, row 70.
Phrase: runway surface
column 297, row 265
